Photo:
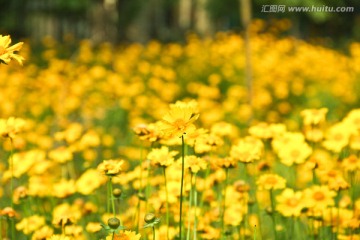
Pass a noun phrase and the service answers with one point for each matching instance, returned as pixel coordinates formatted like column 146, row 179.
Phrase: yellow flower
column 93, row 227
column 89, row 181
column 30, row 224
column 7, row 53
column 126, row 235
column 271, row 182
column 110, row 167
column 61, row 154
column 58, row 237
column 289, row 203
column 42, row 233
column 12, row 126
column 319, row 197
column 313, row 116
column 247, row 149
column 64, row 188
column 351, row 163
column 294, row 153
column 195, row 164
column 179, row 119
column 162, row 156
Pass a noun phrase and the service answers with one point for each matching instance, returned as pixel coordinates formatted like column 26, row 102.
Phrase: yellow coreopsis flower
column 247, row 150
column 30, row 224
column 162, row 156
column 319, row 197
column 289, row 203
column 7, row 52
column 314, row 116
column 195, row 164
column 179, row 119
column 271, row 182
column 12, row 126
column 111, row 167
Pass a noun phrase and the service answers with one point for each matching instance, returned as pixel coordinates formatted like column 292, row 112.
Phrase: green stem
column 112, row 197
column 189, row 210
column 182, row 182
column 112, row 238
column 153, row 228
column 273, row 212
column 12, row 173
column 167, row 204
column 1, row 229
column 195, row 205
column 223, row 203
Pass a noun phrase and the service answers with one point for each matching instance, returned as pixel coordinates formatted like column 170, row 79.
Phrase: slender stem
column 112, row 197
column 153, row 228
column 190, row 207
column 12, row 173
column 223, row 202
column 108, row 196
column 12, row 187
column 1, row 236
column 112, row 238
column 182, row 182
column 255, row 232
column 195, row 207
column 273, row 212
column 167, row 204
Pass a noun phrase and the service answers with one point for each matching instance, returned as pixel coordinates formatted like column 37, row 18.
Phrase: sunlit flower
column 111, row 167
column 351, row 163
column 247, row 150
column 12, row 126
column 42, row 233
column 148, row 132
column 162, row 156
column 93, row 227
column 313, row 116
column 289, row 203
column 194, row 163
column 294, row 153
column 318, row 197
column 58, row 237
column 89, row 181
column 64, row 188
column 179, row 119
column 271, row 182
column 7, row 52
column 30, row 224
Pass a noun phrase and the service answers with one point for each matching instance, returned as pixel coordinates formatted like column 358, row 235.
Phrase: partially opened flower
column 7, row 52
column 12, row 126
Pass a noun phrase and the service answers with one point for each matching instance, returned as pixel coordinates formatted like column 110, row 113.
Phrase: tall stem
column 182, row 182
column 153, row 228
column 189, row 210
column 223, row 203
column 273, row 212
column 167, row 205
column 112, row 196
column 195, row 207
column 12, row 222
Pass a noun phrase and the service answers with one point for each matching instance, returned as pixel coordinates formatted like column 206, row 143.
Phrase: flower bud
column 114, row 222
column 149, row 218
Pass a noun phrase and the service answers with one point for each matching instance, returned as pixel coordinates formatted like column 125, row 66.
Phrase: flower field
column 165, row 141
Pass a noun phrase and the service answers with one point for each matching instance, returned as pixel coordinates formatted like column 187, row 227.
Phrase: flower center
column 318, row 196
column 2, row 50
column 180, row 124
column 292, row 202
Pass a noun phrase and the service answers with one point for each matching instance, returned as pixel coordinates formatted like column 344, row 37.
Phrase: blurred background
column 168, row 20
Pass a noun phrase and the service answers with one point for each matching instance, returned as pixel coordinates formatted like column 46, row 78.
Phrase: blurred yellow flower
column 194, row 163
column 12, row 126
column 42, row 233
column 318, row 197
column 30, row 224
column 58, row 237
column 294, row 153
column 126, row 235
column 162, row 156
column 7, row 52
column 314, row 116
column 111, row 167
column 289, row 203
column 247, row 149
column 89, row 181
column 93, row 227
column 271, row 182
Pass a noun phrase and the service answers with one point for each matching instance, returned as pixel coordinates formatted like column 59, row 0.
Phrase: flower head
column 12, row 126
column 7, row 52
column 162, row 156
column 179, row 119
column 271, row 182
column 110, row 167
column 289, row 203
